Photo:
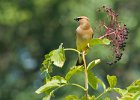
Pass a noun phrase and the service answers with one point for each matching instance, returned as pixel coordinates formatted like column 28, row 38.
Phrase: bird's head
column 81, row 18
column 83, row 21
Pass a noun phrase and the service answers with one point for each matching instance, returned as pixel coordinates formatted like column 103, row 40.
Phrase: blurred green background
column 31, row 28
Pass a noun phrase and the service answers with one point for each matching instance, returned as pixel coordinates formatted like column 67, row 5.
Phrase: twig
column 86, row 75
column 107, row 90
column 71, row 49
column 101, row 37
column 72, row 84
column 77, row 85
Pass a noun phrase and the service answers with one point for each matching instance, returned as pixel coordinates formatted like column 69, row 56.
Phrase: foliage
column 53, row 83
column 112, row 80
column 116, row 35
column 31, row 28
column 57, row 58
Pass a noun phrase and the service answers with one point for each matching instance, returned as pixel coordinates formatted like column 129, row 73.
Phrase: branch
column 86, row 75
column 71, row 49
column 107, row 90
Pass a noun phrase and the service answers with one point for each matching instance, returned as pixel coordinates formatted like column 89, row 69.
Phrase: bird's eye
column 77, row 19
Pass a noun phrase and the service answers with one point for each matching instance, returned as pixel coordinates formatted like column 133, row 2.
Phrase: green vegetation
column 54, row 83
column 29, row 29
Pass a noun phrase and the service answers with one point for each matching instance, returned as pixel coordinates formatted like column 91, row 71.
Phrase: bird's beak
column 76, row 19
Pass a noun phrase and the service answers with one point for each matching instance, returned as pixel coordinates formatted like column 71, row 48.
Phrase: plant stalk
column 86, row 75
column 71, row 49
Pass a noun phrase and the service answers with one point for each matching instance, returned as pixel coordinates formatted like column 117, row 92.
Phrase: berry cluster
column 116, row 33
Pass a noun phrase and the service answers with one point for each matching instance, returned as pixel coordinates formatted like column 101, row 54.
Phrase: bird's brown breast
column 84, row 34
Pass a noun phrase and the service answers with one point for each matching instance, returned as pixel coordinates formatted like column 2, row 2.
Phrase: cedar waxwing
column 84, row 34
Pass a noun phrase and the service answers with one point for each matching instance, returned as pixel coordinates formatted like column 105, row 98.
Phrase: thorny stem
column 86, row 75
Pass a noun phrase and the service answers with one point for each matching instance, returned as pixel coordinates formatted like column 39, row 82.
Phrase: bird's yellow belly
column 82, row 42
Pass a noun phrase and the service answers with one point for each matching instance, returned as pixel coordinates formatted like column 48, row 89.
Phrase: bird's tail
column 80, row 60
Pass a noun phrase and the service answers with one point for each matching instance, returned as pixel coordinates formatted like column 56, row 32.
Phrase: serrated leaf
column 128, row 96
column 112, row 80
column 132, row 91
column 56, row 81
column 133, row 88
column 73, row 71
column 58, row 56
column 47, row 64
column 137, row 82
column 122, row 92
column 93, row 81
column 97, row 41
column 71, row 97
column 93, row 63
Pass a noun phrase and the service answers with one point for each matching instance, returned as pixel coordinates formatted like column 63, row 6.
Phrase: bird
column 84, row 34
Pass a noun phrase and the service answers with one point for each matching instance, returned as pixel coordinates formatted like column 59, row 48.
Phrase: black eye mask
column 77, row 19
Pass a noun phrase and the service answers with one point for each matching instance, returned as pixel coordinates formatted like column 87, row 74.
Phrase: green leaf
column 132, row 92
column 107, row 98
column 106, row 41
column 122, row 92
column 133, row 89
column 125, row 98
column 59, row 79
column 93, row 80
column 71, row 97
column 47, row 64
column 97, row 41
column 93, row 63
column 89, row 97
column 131, row 96
column 47, row 86
column 73, row 71
column 56, row 81
column 137, row 96
column 47, row 97
column 112, row 80
column 137, row 82
column 58, row 56
column 101, row 83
